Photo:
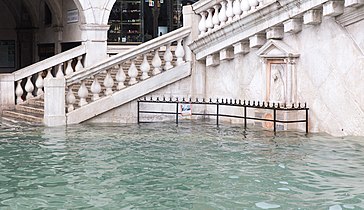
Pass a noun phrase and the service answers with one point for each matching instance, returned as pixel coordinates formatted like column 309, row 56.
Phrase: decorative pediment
column 276, row 49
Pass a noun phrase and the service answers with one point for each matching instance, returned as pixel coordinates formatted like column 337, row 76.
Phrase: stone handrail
column 49, row 62
column 155, row 44
column 34, row 74
column 111, row 70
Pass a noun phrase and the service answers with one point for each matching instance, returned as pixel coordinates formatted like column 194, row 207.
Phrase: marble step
column 30, row 108
column 17, row 115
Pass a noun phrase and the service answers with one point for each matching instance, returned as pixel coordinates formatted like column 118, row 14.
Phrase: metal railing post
column 177, row 113
column 245, row 117
column 274, row 119
column 306, row 121
column 217, row 114
column 138, row 111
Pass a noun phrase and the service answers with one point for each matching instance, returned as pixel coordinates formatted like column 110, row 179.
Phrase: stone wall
column 329, row 75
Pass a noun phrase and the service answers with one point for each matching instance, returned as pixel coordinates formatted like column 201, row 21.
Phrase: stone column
column 7, row 94
column 198, row 77
column 265, row 80
column 94, row 36
column 289, row 80
column 58, row 34
column 54, row 102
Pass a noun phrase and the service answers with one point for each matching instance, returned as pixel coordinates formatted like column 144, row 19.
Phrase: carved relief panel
column 278, row 71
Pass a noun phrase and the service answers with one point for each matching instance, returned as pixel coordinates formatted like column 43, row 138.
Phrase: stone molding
column 258, row 21
column 351, row 16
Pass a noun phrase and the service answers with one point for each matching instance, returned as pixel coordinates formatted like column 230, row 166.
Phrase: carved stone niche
column 278, row 72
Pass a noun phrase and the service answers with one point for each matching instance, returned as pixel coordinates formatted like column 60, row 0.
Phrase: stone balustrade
column 228, row 27
column 29, row 81
column 224, row 12
column 126, row 69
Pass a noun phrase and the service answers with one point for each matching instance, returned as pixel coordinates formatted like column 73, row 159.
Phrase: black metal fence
column 274, row 107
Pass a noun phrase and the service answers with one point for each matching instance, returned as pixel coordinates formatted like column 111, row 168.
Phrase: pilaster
column 7, row 94
column 95, row 39
column 54, row 102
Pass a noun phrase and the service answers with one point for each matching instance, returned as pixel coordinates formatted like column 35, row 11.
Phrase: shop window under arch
column 136, row 21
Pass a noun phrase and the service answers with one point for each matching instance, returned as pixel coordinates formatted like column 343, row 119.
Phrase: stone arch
column 106, row 14
column 56, row 9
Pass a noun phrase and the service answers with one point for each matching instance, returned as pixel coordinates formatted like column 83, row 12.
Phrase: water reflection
column 189, row 166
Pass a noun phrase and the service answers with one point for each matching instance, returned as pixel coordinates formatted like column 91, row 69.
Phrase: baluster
column 209, row 25
column 215, row 18
column 222, row 14
column 39, row 83
column 29, row 87
column 229, row 10
column 71, row 99
column 180, row 52
column 157, row 63
column 83, row 93
column 95, row 89
column 79, row 65
column 60, row 71
column 145, row 67
column 120, row 77
column 108, row 83
column 133, row 73
column 168, row 57
column 236, row 9
column 253, row 4
column 19, row 92
column 245, row 6
column 49, row 74
column 260, row 3
column 69, row 69
column 202, row 24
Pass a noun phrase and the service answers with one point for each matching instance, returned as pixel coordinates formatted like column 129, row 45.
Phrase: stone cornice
column 351, row 16
column 258, row 21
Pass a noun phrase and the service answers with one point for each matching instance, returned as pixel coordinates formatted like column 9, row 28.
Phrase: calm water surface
column 192, row 166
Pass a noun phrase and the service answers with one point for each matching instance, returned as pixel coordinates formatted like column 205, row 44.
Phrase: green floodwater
column 190, row 166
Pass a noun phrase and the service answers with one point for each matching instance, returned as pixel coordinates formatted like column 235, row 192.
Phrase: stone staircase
column 32, row 111
column 29, row 113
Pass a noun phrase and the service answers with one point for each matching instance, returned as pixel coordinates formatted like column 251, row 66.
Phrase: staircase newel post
column 54, row 102
column 7, row 94
column 190, row 19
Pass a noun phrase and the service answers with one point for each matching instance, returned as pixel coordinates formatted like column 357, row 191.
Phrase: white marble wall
column 329, row 77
